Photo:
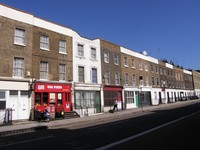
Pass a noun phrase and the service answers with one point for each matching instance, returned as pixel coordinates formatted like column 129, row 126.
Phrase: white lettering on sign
column 54, row 87
column 40, row 87
column 49, row 87
column 57, row 87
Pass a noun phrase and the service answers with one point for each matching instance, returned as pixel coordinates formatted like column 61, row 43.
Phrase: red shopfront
column 111, row 93
column 55, row 96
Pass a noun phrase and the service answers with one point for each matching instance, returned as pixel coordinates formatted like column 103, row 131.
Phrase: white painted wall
column 86, row 61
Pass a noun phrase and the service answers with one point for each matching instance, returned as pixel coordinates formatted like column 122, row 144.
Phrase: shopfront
column 56, row 97
column 111, row 93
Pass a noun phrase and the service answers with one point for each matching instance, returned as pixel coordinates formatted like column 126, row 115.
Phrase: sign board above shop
column 52, row 87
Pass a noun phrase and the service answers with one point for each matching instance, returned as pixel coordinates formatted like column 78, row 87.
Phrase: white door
column 23, row 105
column 13, row 103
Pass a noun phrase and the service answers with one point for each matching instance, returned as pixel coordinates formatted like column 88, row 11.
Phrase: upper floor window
column 134, row 80
column 116, row 59
column 93, row 53
column 44, row 42
column 152, row 68
column 18, row 67
column 147, row 81
column 132, row 63
column 140, row 65
column 126, row 78
column 62, row 46
column 117, row 78
column 125, row 61
column 152, row 81
column 62, row 72
column 106, row 57
column 80, row 50
column 19, row 37
column 107, row 77
column 157, row 69
column 146, row 67
column 44, row 70
column 81, row 77
column 94, row 75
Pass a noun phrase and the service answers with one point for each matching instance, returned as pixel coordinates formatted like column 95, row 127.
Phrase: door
column 97, row 102
column 13, row 103
column 67, row 103
column 23, row 105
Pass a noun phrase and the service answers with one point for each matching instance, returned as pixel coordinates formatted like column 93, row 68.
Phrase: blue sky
column 166, row 29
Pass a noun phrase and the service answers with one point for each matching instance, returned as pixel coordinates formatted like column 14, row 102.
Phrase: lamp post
column 140, row 90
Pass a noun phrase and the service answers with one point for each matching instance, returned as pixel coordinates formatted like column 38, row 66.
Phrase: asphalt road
column 176, row 128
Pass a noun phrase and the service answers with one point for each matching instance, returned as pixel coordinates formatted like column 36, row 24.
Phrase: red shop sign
column 50, row 87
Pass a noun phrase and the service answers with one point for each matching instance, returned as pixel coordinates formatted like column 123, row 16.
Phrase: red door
column 67, row 102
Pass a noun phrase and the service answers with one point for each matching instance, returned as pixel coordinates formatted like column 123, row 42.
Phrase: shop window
column 59, row 98
column 85, row 99
column 2, row 100
column 109, row 97
column 38, row 99
column 129, row 96
column 13, row 92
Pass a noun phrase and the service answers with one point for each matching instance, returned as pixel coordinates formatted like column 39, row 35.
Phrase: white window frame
column 19, row 37
column 116, row 59
column 62, row 72
column 80, row 50
column 94, row 76
column 18, row 67
column 140, row 65
column 126, row 79
column 44, row 42
column 62, row 47
column 93, row 53
column 44, row 69
column 106, row 56
column 132, row 63
column 125, row 61
column 107, row 77
column 117, row 78
column 81, row 75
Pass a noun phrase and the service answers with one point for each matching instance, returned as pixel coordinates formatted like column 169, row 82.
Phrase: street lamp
column 140, row 90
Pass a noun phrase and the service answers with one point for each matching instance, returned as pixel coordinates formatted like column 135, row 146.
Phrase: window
column 152, row 68
column 62, row 47
column 62, row 72
column 126, row 78
column 43, row 70
column 161, row 71
column 94, row 75
column 18, row 67
column 116, row 59
column 152, row 80
column 140, row 65
column 86, row 99
column 80, row 50
column 107, row 77
column 2, row 100
column 93, row 53
column 146, row 67
column 134, row 80
column 147, row 81
column 125, row 61
column 157, row 81
column 132, row 63
column 117, row 78
column 44, row 42
column 19, row 37
column 157, row 69
column 81, row 77
column 106, row 57
column 129, row 97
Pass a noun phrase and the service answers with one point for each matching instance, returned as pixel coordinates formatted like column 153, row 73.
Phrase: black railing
column 8, row 117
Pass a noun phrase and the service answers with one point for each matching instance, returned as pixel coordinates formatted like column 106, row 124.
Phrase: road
column 163, row 128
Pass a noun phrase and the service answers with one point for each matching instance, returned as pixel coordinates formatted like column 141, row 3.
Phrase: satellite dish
column 145, row 53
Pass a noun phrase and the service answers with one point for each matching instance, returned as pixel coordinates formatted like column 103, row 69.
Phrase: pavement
column 21, row 127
